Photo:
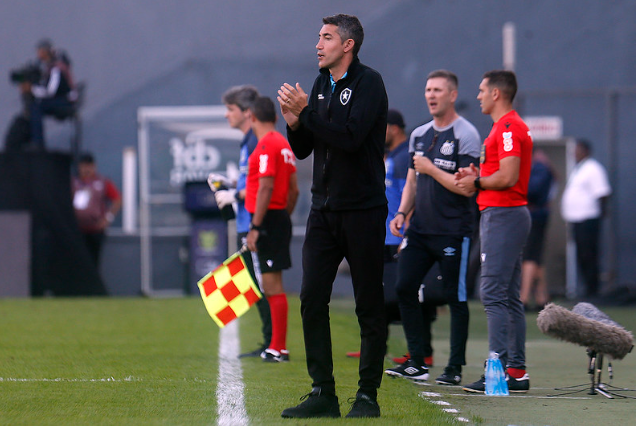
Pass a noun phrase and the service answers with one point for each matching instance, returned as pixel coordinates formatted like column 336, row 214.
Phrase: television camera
column 30, row 73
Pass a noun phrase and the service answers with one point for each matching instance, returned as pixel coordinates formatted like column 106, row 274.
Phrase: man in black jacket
column 55, row 95
column 343, row 123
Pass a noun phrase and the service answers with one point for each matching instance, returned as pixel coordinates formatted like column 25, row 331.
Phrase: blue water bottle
column 495, row 377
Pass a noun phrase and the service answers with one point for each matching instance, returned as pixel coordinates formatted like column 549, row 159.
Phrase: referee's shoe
column 410, row 370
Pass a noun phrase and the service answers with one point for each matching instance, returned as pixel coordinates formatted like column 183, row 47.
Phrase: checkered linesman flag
column 229, row 290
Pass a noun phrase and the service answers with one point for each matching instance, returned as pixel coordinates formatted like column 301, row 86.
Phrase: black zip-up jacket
column 346, row 132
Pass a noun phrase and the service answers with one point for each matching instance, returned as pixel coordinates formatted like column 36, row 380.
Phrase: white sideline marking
column 60, row 379
column 428, row 395
column 230, row 387
column 107, row 379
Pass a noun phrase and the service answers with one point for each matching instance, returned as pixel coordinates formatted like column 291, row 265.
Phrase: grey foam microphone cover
column 590, row 311
column 600, row 336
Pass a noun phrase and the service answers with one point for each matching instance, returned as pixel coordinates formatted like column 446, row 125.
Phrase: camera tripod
column 596, row 386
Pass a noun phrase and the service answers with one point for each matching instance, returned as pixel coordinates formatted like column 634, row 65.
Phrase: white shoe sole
column 443, row 383
column 421, row 377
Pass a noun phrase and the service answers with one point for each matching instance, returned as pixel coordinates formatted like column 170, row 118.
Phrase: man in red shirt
column 271, row 193
column 96, row 201
column 502, row 182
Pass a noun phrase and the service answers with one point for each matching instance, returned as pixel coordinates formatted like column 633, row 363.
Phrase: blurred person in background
column 540, row 193
column 54, row 94
column 583, row 205
column 97, row 201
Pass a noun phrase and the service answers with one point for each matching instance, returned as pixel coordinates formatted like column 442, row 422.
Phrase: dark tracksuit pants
column 414, row 261
column 358, row 236
column 504, row 232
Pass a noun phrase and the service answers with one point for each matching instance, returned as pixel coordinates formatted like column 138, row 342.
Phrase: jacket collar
column 351, row 71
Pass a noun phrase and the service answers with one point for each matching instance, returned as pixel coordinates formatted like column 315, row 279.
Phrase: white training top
column 586, row 185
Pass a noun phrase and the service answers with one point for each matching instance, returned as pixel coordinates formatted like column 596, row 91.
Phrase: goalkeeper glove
column 217, row 181
column 225, row 197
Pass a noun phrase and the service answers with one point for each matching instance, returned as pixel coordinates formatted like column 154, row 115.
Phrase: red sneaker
column 401, row 360
column 353, row 354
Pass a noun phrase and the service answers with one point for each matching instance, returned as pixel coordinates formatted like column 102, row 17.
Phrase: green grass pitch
column 114, row 361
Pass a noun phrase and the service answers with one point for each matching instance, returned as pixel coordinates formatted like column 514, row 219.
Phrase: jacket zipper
column 324, row 165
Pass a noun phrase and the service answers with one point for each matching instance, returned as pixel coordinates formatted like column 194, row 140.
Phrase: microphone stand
column 595, row 369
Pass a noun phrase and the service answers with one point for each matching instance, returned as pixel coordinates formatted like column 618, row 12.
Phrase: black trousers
column 358, row 236
column 94, row 242
column 586, row 238
column 415, row 260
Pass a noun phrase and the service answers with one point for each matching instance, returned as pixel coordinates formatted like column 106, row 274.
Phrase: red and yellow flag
column 229, row 290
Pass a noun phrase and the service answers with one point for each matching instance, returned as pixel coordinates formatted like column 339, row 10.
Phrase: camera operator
column 54, row 94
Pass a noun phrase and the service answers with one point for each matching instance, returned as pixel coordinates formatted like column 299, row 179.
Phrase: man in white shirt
column 583, row 206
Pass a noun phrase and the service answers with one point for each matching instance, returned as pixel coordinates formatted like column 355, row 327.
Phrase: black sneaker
column 271, row 355
column 520, row 385
column 478, row 387
column 363, row 406
column 315, row 404
column 451, row 376
column 410, row 370
column 255, row 353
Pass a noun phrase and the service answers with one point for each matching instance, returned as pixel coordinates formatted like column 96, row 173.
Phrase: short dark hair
column 585, row 144
column 45, row 44
column 393, row 116
column 504, row 80
column 263, row 109
column 450, row 76
column 349, row 27
column 86, row 158
column 241, row 96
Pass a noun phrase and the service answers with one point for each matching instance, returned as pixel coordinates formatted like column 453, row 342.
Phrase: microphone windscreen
column 601, row 337
column 590, row 311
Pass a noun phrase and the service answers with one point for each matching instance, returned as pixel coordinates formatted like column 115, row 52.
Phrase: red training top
column 509, row 136
column 90, row 199
column 271, row 157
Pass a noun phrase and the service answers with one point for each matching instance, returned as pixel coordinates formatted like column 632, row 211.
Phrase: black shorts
column 273, row 241
column 533, row 251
